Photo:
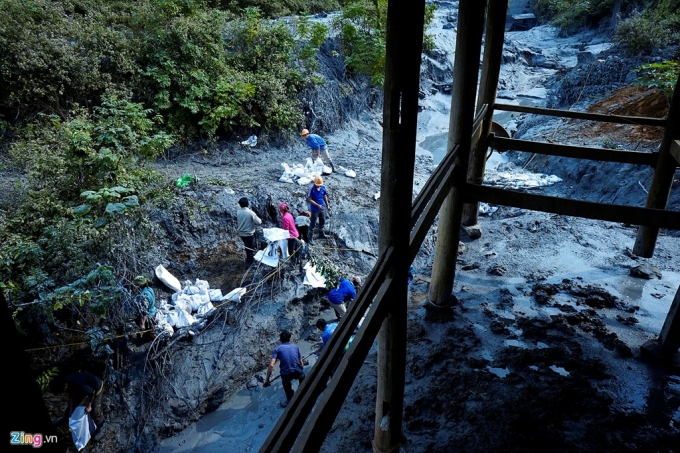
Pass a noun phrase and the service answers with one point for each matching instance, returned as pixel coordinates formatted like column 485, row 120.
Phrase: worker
column 317, row 196
column 302, row 222
column 291, row 366
column 327, row 330
column 343, row 293
column 83, row 388
column 148, row 297
column 288, row 224
column 319, row 147
column 247, row 222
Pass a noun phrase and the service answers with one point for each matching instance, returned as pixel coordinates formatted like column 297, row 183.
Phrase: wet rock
column 473, row 231
column 449, row 26
column 543, row 292
column 497, row 270
column 627, row 320
column 645, row 271
column 470, row 267
column 462, row 248
column 593, row 296
column 499, row 328
column 629, row 253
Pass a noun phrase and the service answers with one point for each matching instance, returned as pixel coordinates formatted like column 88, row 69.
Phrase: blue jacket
column 318, row 196
column 326, row 335
column 344, row 292
column 316, row 142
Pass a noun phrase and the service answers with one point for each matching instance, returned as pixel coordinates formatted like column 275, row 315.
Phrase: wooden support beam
column 285, row 432
column 404, row 47
column 618, row 119
column 576, row 208
column 576, row 152
column 662, row 180
column 330, row 403
column 491, row 69
column 468, row 49
column 669, row 340
column 675, row 151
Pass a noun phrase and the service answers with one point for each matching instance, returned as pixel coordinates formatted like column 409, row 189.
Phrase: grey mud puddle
column 242, row 423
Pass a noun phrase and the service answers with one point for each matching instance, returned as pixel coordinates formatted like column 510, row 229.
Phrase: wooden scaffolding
column 453, row 191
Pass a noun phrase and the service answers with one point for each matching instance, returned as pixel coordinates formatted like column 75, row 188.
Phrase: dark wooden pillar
column 465, row 69
column 491, row 68
column 662, row 180
column 400, row 114
column 669, row 340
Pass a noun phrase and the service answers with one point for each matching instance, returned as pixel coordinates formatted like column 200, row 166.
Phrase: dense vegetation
column 91, row 91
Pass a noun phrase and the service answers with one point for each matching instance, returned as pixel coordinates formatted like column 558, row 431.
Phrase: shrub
column 662, row 76
column 653, row 28
column 362, row 28
column 96, row 158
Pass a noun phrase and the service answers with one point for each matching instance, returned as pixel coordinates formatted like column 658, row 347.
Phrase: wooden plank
column 432, row 185
column 468, row 49
column 576, row 208
column 670, row 332
column 330, row 403
column 576, row 152
column 662, row 179
column 488, row 87
column 619, row 119
column 675, row 151
column 285, row 432
column 426, row 218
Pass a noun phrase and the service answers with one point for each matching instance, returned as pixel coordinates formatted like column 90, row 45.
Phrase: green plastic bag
column 183, row 181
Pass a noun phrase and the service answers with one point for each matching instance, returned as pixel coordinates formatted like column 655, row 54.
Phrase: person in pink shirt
column 288, row 223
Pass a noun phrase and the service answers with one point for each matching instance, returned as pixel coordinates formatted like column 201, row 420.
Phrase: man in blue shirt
column 327, row 331
column 291, row 366
column 317, row 196
column 345, row 292
column 319, row 147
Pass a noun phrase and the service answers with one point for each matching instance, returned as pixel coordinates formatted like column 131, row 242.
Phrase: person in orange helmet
column 319, row 147
column 317, row 197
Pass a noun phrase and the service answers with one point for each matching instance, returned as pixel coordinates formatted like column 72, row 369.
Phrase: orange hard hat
column 318, row 180
column 304, row 132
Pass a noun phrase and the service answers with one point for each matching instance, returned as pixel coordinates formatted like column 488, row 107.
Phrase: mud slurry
column 555, row 393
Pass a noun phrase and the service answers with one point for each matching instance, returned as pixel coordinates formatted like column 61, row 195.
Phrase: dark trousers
column 249, row 242
column 304, row 232
column 292, row 246
column 322, row 220
column 286, row 381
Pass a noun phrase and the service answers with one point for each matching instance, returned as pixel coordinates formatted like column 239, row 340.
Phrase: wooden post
column 491, row 68
column 669, row 340
column 465, row 69
column 405, row 22
column 662, row 180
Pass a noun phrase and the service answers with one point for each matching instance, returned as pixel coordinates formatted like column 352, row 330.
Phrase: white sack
column 167, row 278
column 313, row 278
column 275, row 234
column 202, row 284
column 205, row 309
column 268, row 256
column 81, row 427
column 215, row 295
column 235, row 295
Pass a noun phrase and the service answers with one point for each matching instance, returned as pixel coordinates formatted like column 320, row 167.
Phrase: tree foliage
column 363, row 27
column 175, row 56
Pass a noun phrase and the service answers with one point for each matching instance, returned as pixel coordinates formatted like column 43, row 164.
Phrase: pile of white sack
column 304, row 174
column 190, row 303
